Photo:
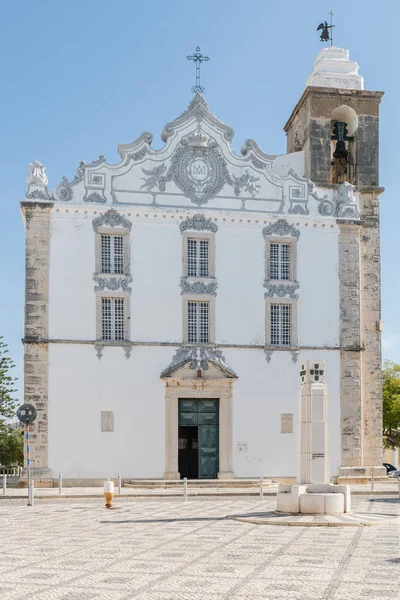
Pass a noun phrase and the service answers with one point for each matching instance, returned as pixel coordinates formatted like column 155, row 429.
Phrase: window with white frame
column 281, row 324
column 197, row 257
column 112, row 319
column 112, row 254
column 198, row 313
column 279, row 260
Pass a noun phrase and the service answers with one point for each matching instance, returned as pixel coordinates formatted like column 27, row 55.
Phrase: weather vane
column 325, row 36
column 198, row 58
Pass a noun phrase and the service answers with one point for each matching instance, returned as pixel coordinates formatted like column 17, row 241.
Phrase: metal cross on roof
column 325, row 35
column 198, row 58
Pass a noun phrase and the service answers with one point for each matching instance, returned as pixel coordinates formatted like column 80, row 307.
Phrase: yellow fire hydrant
column 108, row 493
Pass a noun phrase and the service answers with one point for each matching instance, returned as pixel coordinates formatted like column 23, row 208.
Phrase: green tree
column 7, row 387
column 391, row 404
column 12, row 447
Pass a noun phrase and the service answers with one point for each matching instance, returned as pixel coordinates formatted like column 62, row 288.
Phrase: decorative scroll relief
column 281, row 227
column 281, row 290
column 198, row 357
column 199, row 169
column 111, row 218
column 198, row 287
column 112, row 283
column 198, row 223
column 346, row 203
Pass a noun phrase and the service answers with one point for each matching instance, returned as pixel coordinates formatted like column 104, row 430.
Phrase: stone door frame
column 198, row 389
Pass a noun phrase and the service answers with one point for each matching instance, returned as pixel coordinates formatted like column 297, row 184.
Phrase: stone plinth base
column 41, row 477
column 363, row 474
column 319, row 499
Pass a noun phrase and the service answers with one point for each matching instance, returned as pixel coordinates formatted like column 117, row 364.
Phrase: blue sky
column 80, row 77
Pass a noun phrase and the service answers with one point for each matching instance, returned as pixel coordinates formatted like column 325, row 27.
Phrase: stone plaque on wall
column 107, row 420
column 286, row 423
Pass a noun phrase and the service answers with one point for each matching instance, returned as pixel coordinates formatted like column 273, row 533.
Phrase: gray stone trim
column 198, row 287
column 198, row 223
column 111, row 218
column 281, row 227
column 354, row 349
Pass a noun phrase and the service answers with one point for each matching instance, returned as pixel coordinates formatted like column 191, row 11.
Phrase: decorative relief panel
column 281, row 227
column 198, row 223
column 111, row 218
column 112, row 283
column 281, row 290
column 198, row 287
column 198, row 357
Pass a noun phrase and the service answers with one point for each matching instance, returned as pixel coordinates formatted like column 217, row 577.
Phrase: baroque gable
column 198, row 168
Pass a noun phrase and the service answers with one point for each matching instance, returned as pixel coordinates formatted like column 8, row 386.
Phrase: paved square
column 163, row 549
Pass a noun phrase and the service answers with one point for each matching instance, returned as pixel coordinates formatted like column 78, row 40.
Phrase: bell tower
column 336, row 125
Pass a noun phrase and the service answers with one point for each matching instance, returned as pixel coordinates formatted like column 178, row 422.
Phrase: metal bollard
column 31, row 494
column 119, row 483
column 185, row 489
column 372, row 480
column 60, row 483
column 261, row 487
column 4, row 484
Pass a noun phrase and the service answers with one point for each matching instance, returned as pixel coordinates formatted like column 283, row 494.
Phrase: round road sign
column 27, row 413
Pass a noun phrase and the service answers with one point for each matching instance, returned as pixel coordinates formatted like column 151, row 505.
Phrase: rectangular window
column 112, row 254
column 198, row 322
column 112, row 319
column 281, row 318
column 197, row 258
column 279, row 261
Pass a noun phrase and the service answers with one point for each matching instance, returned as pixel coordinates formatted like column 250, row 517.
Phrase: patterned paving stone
column 161, row 549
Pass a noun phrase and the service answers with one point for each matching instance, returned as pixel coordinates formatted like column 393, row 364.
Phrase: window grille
column 279, row 261
column 281, row 317
column 112, row 254
column 197, row 258
column 198, row 322
column 112, row 319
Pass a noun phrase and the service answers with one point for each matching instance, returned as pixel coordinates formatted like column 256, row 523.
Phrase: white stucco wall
column 81, row 386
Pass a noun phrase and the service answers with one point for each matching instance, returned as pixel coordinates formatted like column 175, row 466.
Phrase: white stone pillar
column 171, row 437
column 313, row 449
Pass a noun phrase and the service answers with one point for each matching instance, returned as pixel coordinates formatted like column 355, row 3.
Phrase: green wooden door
column 205, row 415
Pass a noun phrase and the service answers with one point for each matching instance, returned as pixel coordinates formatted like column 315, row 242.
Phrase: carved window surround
column 281, row 291
column 100, row 343
column 197, row 235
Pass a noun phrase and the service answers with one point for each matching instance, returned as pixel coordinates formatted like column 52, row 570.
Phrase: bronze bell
column 340, row 150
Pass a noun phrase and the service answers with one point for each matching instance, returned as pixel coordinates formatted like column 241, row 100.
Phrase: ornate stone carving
column 281, row 227
column 299, row 209
column 127, row 350
column 64, row 191
column 281, row 290
column 95, row 197
column 155, row 178
column 246, row 182
column 326, row 208
column 295, row 355
column 112, row 283
column 37, row 176
column 111, row 218
column 198, row 287
column 99, row 347
column 268, row 354
column 200, row 173
column 38, row 195
column 198, row 357
column 346, row 203
column 198, row 223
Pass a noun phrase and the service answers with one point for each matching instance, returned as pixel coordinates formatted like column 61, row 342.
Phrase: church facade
column 172, row 298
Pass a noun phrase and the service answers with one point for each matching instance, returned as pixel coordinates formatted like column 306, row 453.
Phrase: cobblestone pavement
column 163, row 549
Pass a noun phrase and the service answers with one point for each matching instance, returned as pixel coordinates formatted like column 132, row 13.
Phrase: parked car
column 389, row 468
column 394, row 474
